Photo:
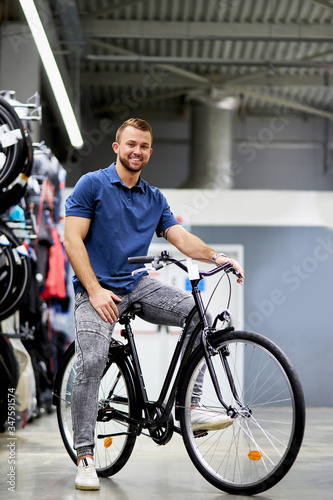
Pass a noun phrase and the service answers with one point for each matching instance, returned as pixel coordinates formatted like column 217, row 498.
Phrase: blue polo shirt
column 123, row 222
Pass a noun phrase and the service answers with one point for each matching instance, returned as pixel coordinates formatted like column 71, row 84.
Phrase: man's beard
column 125, row 163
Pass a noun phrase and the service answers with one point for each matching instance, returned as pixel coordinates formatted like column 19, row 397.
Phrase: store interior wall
column 285, row 152
column 287, row 295
column 287, row 241
column 288, row 262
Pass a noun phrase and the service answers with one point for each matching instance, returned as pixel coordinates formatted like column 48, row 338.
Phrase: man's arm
column 76, row 229
column 194, row 247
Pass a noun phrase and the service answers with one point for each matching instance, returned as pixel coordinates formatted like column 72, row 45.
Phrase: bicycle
column 247, row 378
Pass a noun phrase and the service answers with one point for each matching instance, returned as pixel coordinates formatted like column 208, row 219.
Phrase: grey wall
column 289, row 270
column 169, row 163
column 288, row 295
column 283, row 152
column 279, row 152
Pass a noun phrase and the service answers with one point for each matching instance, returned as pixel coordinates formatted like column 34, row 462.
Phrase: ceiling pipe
column 211, row 144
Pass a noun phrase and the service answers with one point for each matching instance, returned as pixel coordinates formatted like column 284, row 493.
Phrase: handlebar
column 159, row 261
column 141, row 259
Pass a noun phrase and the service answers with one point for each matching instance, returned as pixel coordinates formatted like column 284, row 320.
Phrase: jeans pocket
column 79, row 298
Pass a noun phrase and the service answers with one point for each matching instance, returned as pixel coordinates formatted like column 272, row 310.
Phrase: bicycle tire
column 7, row 265
column 11, row 195
column 21, row 277
column 9, row 376
column 256, row 451
column 108, row 460
column 14, row 156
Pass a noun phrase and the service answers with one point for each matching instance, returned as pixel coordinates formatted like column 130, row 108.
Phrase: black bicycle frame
column 167, row 407
column 163, row 402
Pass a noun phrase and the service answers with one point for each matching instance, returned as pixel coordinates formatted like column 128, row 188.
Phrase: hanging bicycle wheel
column 7, row 265
column 18, row 282
column 116, row 393
column 11, row 194
column 9, row 375
column 13, row 144
column 260, row 446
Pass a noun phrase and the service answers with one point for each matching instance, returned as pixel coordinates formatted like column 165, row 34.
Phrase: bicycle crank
column 161, row 432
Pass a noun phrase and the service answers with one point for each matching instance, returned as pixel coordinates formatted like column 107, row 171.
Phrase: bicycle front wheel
column 116, row 391
column 259, row 447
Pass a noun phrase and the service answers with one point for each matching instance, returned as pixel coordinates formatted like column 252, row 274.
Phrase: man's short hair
column 136, row 123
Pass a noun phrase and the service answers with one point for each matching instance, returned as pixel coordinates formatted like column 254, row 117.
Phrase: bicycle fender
column 117, row 349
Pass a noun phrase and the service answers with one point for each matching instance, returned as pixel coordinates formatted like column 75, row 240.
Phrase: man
column 112, row 214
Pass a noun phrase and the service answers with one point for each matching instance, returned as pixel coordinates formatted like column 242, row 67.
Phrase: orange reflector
column 107, row 442
column 254, row 455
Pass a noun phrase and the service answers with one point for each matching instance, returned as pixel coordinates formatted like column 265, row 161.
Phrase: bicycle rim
column 115, row 391
column 260, row 446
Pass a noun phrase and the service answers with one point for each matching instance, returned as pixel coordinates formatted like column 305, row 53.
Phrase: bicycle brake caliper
column 205, row 336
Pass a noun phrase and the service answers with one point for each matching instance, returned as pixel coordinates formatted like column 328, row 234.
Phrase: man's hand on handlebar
column 220, row 260
column 159, row 261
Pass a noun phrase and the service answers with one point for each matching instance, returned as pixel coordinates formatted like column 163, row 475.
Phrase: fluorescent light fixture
column 227, row 103
column 52, row 72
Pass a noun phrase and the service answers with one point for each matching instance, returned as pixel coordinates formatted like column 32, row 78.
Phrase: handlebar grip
column 235, row 272
column 140, row 259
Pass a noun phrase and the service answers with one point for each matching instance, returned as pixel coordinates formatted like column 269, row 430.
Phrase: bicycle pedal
column 199, row 434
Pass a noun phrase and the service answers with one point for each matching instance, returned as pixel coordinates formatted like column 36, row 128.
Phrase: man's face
column 134, row 149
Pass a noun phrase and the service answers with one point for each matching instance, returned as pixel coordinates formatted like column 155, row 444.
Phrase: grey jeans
column 161, row 304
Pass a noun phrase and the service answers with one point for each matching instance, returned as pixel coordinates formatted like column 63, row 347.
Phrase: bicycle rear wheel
column 258, row 449
column 117, row 391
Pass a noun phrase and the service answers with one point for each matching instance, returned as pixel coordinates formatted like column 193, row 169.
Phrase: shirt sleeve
column 167, row 218
column 81, row 202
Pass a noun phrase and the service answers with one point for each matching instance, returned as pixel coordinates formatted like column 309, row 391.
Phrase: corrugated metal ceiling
column 158, row 54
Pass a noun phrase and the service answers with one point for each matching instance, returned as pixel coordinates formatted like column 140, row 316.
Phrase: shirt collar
column 115, row 179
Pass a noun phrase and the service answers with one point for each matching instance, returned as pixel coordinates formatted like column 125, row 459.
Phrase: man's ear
column 115, row 147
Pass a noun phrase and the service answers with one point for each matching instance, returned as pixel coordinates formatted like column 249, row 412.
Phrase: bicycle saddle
column 130, row 312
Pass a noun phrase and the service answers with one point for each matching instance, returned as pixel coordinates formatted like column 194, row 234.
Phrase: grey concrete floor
column 43, row 470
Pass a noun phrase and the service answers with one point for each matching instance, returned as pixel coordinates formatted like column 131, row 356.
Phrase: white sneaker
column 86, row 477
column 205, row 420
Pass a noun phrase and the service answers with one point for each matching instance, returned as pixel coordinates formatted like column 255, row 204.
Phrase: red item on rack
column 55, row 285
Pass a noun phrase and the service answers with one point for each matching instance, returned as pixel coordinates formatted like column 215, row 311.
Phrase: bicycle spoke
column 249, row 455
column 111, row 452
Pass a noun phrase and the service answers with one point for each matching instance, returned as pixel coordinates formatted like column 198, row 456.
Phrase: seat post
column 125, row 319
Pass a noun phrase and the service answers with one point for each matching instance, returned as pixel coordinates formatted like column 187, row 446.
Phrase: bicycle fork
column 223, row 353
column 210, row 351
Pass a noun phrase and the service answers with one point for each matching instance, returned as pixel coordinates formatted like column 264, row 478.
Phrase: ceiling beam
column 285, row 103
column 215, row 61
column 110, row 47
column 196, row 82
column 153, row 79
column 167, row 77
column 260, row 77
column 324, row 3
column 117, row 6
column 109, row 28
column 260, row 74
